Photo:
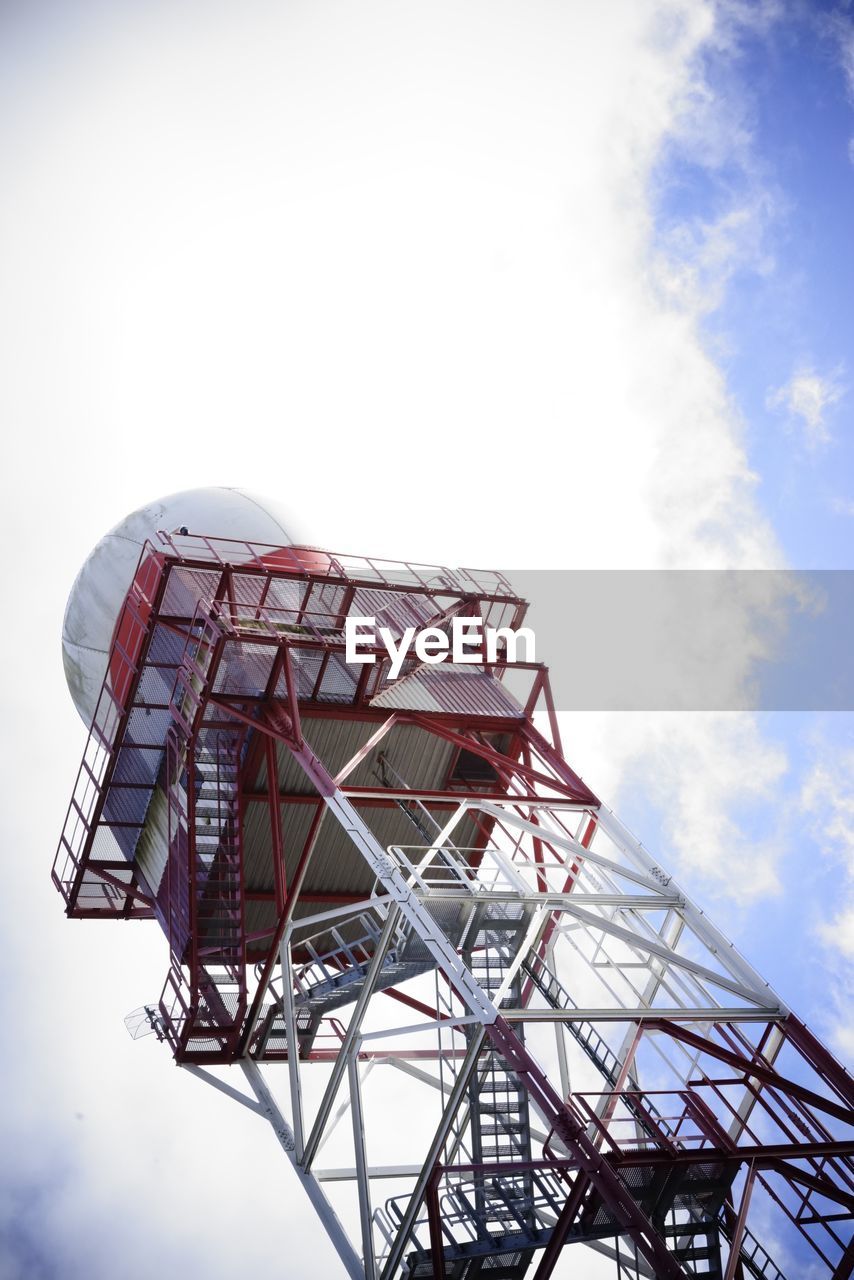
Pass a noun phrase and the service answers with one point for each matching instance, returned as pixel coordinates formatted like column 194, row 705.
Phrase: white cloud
column 839, row 931
column 712, row 777
column 715, row 131
column 827, row 797
column 828, row 794
column 257, row 246
column 393, row 263
column 808, row 396
column 700, row 258
column 840, row 29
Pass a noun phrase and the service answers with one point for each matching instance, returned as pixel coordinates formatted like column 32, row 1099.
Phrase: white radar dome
column 102, row 584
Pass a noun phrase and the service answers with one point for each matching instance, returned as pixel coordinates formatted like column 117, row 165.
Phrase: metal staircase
column 471, row 1251
column 501, row 1207
column 334, row 976
column 695, row 1242
column 218, row 871
column 500, row 1124
column 204, row 998
column 490, row 1218
column 206, row 984
column 697, row 1247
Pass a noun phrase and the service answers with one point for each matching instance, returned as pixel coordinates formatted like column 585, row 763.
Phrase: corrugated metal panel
column 419, row 758
column 416, row 756
column 394, row 609
column 257, row 847
column 334, row 741
column 452, row 689
column 336, row 867
column 153, row 846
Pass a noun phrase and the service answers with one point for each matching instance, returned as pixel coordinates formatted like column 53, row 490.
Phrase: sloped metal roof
column 462, row 690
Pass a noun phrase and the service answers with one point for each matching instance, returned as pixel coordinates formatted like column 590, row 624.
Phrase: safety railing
column 99, row 754
column 459, row 868
column 470, row 1220
column 352, row 568
column 678, row 1120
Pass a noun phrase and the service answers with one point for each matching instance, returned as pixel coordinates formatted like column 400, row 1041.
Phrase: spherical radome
column 102, row 584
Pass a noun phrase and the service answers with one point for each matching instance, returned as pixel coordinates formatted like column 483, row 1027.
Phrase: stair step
column 696, row 1255
column 689, row 1228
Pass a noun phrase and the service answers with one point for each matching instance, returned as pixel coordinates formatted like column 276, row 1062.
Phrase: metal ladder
column 204, row 996
column 499, row 1103
column 217, row 845
column 497, row 1206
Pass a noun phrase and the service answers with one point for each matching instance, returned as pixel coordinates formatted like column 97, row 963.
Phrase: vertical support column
column 560, row 1033
column 311, row 1186
column 455, row 1099
column 434, row 1219
column 738, row 1231
column 351, row 1035
column 274, row 806
column 501, row 1035
column 363, row 1178
column 292, row 1043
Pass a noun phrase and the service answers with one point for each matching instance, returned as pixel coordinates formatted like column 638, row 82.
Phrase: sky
column 493, row 282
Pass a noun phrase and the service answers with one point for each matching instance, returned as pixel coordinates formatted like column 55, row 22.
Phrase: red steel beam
column 751, row 1069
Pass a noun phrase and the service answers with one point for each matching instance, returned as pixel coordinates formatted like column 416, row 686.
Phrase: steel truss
column 582, row 1056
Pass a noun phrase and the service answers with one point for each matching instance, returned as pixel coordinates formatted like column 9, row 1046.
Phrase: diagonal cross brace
column 570, row 1129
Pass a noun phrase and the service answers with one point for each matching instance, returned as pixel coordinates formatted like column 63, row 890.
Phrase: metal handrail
column 372, row 570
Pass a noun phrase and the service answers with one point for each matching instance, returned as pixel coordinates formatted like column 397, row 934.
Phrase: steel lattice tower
column 361, row 877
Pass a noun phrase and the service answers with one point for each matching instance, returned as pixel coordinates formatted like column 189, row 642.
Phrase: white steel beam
column 664, row 953
column 677, row 1013
column 284, row 1133
column 455, row 1098
column 362, row 1173
column 292, row 1042
column 350, row 1038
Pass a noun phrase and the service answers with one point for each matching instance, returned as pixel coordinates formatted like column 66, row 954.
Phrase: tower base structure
column 501, row 1028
